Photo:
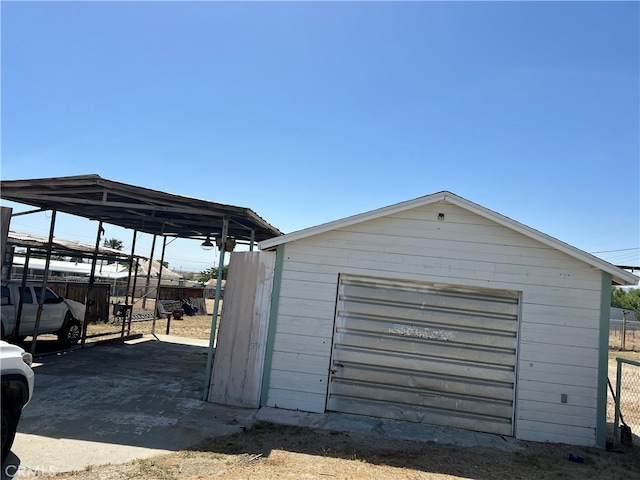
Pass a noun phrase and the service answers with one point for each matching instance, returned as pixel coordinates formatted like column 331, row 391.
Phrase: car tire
column 71, row 332
column 9, row 427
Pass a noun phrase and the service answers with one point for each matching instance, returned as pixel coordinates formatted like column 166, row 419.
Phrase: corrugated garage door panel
column 437, row 354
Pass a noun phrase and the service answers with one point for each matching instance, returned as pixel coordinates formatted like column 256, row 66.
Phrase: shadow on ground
column 535, row 460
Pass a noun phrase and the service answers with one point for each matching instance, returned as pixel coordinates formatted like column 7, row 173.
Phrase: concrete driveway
column 112, row 403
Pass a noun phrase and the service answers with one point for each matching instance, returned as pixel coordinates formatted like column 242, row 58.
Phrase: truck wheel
column 71, row 332
column 9, row 426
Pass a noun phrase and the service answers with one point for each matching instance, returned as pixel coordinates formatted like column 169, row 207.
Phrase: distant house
column 436, row 310
column 156, row 268
column 210, row 288
column 114, row 268
column 81, row 270
column 64, row 269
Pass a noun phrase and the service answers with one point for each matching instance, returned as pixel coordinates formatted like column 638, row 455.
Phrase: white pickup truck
column 59, row 315
column 17, row 389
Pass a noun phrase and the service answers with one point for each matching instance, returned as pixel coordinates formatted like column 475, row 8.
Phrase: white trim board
column 619, row 276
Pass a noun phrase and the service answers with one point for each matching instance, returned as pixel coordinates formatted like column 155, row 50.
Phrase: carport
column 38, row 251
column 154, row 212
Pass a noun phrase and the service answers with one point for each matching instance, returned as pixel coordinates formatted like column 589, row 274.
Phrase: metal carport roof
column 143, row 210
column 137, row 208
column 62, row 247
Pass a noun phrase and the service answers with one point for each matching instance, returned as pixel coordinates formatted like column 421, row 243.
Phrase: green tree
column 114, row 243
column 212, row 272
column 190, row 276
column 626, row 298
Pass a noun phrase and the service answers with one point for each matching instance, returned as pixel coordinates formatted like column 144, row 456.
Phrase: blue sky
column 311, row 112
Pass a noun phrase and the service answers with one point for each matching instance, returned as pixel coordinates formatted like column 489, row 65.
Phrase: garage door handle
column 333, row 370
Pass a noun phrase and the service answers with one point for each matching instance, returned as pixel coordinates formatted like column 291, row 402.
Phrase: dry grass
column 197, row 326
column 631, row 340
column 270, row 452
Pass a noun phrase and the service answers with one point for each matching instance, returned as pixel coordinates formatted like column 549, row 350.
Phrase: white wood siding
column 559, row 332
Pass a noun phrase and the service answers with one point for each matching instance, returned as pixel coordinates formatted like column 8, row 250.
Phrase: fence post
column 616, row 420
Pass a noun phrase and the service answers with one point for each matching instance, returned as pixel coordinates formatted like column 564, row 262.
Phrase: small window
column 6, row 297
column 27, row 297
column 49, row 295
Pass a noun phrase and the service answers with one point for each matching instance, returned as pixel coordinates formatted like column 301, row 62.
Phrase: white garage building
column 436, row 310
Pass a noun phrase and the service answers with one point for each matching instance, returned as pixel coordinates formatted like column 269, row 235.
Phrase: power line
column 620, row 250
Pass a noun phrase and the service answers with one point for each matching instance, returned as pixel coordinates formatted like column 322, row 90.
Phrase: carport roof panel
column 138, row 208
column 63, row 247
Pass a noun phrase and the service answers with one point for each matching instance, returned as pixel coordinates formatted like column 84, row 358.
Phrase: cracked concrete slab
column 112, row 403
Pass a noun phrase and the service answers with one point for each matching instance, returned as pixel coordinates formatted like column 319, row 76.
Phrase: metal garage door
column 434, row 354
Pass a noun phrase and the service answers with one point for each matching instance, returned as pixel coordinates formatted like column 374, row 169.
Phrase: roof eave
column 619, row 276
column 130, row 206
column 271, row 243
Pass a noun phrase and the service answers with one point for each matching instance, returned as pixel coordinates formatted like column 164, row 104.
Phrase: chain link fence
column 627, row 401
column 624, row 335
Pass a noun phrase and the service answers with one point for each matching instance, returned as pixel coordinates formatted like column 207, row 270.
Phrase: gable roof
column 619, row 276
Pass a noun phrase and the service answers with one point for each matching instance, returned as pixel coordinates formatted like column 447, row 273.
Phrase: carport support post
column 214, row 316
column 45, row 275
column 92, row 278
column 133, row 287
column 126, row 292
column 148, row 281
column 153, row 327
column 23, row 285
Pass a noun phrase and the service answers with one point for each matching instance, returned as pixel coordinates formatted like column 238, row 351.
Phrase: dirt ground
column 631, row 340
column 270, row 451
column 197, row 326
